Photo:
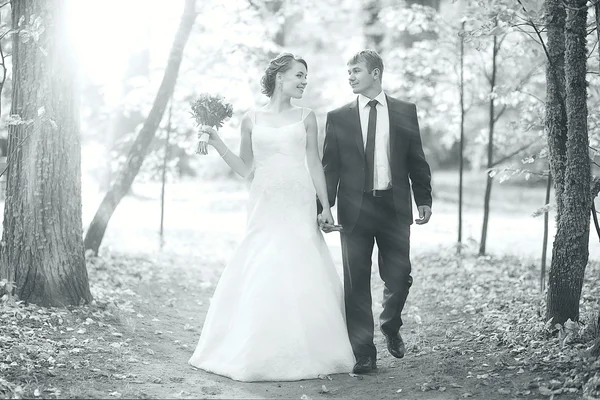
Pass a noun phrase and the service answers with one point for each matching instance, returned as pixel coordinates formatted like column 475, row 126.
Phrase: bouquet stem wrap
column 210, row 110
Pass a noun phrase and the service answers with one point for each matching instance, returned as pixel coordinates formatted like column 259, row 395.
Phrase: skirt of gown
column 277, row 313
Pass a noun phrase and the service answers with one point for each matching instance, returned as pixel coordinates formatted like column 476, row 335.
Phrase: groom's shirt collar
column 363, row 100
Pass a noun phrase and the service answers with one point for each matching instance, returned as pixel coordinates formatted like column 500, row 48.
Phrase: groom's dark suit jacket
column 344, row 161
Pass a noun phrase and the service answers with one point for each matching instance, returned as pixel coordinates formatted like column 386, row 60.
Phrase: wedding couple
column 279, row 311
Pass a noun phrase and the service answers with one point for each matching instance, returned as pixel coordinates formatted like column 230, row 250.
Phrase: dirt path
column 444, row 359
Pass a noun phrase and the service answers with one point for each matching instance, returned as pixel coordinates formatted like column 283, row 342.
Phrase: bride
column 277, row 313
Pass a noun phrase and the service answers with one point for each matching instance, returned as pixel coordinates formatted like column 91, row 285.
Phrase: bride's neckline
column 277, row 127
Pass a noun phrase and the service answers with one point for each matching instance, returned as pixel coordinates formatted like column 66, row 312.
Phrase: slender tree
column 493, row 118
column 461, row 158
column 545, row 238
column 42, row 252
column 97, row 228
column 570, row 251
column 164, row 175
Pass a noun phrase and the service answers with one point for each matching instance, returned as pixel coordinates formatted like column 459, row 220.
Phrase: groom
column 371, row 156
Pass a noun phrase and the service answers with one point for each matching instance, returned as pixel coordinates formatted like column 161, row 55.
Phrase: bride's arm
column 313, row 160
column 242, row 164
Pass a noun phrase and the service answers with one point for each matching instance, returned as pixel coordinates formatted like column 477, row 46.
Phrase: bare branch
column 595, row 217
column 499, row 114
column 542, row 174
column 537, row 31
column 593, row 49
column 6, row 33
column 529, row 34
column 531, row 95
column 514, row 153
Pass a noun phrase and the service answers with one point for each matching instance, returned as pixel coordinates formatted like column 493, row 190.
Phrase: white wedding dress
column 277, row 313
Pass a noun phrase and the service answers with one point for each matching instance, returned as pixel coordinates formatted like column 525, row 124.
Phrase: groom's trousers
column 377, row 222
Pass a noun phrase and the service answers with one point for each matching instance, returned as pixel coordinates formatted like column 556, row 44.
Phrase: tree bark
column 42, row 249
column 571, row 244
column 490, row 155
column 97, row 228
column 556, row 117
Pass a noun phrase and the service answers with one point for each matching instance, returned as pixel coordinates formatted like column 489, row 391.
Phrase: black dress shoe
column 364, row 364
column 395, row 345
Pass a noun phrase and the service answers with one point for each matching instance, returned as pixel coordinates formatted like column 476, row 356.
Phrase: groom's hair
column 371, row 58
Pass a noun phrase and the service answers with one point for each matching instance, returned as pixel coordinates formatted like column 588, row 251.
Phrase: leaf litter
column 491, row 309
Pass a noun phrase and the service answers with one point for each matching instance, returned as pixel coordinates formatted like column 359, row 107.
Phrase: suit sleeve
column 418, row 168
column 331, row 161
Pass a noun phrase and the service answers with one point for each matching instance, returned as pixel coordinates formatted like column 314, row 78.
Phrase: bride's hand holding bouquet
column 209, row 112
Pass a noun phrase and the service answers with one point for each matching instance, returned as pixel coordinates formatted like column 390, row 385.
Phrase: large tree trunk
column 97, row 228
column 373, row 27
column 490, row 152
column 43, row 249
column 556, row 117
column 570, row 251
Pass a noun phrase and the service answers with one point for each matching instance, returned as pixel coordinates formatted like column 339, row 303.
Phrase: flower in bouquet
column 210, row 110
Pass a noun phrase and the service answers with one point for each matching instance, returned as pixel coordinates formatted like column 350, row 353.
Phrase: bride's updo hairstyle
column 281, row 63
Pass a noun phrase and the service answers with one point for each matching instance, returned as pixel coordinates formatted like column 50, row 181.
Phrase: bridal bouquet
column 210, row 110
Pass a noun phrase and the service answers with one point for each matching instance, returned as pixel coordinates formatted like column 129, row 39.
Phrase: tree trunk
column 97, row 228
column 43, row 249
column 556, row 117
column 571, row 251
column 461, row 158
column 373, row 27
column 164, row 177
column 597, row 15
column 545, row 238
column 490, row 155
column 124, row 121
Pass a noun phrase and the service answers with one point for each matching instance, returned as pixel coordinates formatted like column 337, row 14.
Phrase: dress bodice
column 281, row 177
column 279, row 147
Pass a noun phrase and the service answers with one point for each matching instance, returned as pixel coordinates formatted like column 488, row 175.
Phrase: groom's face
column 360, row 79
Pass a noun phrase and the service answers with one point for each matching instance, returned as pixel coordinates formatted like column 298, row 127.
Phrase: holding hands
column 326, row 222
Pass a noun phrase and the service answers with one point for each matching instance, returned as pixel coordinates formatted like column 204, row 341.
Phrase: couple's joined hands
column 326, row 222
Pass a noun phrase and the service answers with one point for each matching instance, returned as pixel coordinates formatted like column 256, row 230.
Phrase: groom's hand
column 424, row 215
column 324, row 224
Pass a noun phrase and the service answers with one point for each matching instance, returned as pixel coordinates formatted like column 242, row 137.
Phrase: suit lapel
column 354, row 120
column 394, row 124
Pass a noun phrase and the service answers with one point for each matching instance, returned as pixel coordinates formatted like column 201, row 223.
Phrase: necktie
column 370, row 147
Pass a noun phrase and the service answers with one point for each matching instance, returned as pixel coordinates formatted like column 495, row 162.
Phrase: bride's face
column 293, row 81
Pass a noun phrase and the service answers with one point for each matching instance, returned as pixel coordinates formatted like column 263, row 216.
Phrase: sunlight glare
column 106, row 32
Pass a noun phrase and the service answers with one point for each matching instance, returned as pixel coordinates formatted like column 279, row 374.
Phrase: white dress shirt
column 383, row 176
